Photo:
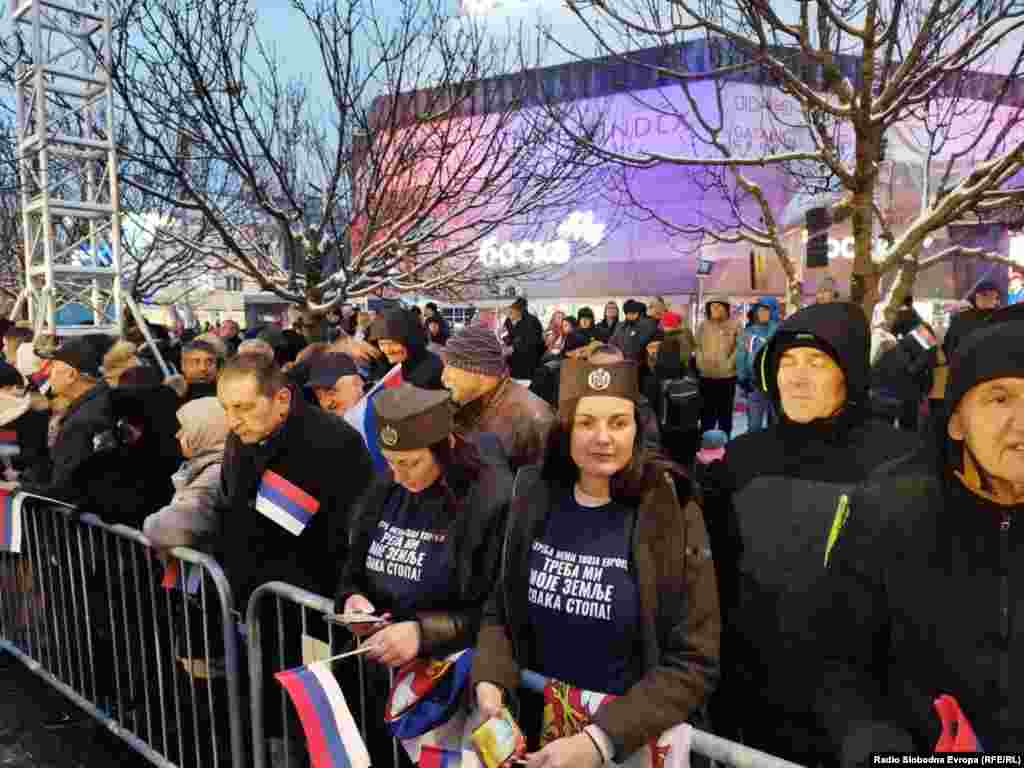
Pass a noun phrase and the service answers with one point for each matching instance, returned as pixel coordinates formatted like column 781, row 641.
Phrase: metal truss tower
column 68, row 169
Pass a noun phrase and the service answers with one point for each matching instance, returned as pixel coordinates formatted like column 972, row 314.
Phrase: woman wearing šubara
column 425, row 552
column 607, row 591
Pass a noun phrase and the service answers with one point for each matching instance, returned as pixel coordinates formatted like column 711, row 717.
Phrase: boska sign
column 577, row 227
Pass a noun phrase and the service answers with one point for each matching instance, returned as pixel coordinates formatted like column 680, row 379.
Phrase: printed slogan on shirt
column 574, row 584
column 399, row 551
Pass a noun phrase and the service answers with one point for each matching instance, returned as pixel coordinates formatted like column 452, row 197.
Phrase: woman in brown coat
column 607, row 582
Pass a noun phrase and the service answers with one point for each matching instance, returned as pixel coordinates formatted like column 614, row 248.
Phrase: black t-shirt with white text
column 583, row 601
column 407, row 565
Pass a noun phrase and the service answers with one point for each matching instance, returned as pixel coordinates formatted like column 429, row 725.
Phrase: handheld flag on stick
column 362, row 417
column 331, row 734
column 187, row 577
column 10, row 522
column 437, row 757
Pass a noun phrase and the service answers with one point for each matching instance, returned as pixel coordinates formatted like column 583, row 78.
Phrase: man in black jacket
column 924, row 583
column 291, row 474
column 984, row 301
column 525, row 340
column 633, row 335
column 769, row 511
column 88, row 423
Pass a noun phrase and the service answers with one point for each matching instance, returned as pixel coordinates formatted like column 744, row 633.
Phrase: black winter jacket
column 474, row 550
column 922, row 597
column 527, row 341
column 633, row 336
column 86, row 421
column 770, row 507
column 327, row 459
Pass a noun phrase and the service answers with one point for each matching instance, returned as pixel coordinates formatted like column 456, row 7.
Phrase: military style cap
column 580, row 378
column 410, row 418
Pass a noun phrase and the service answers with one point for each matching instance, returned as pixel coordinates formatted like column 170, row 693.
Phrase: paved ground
column 28, row 706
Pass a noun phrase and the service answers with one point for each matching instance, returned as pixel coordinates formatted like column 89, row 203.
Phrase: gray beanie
column 475, row 349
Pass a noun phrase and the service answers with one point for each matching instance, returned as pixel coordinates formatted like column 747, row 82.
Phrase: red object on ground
column 957, row 733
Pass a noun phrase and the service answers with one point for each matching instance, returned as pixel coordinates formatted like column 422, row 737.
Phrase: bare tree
column 393, row 185
column 853, row 71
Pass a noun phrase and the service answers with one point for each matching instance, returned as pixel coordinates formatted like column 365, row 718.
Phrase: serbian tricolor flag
column 184, row 576
column 438, row 757
column 331, row 734
column 957, row 734
column 9, row 443
column 362, row 417
column 10, row 522
column 285, row 503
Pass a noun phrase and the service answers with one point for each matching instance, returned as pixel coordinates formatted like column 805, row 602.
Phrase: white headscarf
column 204, row 425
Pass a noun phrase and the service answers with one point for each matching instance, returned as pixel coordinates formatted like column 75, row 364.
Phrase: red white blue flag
column 285, row 503
column 362, row 417
column 10, row 522
column 331, row 734
column 184, row 576
column 438, row 757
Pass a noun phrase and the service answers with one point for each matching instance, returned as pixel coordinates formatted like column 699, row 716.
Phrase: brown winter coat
column 519, row 418
column 716, row 349
column 680, row 620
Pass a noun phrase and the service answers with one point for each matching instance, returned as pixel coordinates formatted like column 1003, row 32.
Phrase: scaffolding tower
column 68, row 170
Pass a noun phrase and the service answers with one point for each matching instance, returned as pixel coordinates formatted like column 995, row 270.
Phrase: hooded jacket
column 752, row 338
column 421, row 368
column 924, row 590
column 770, row 508
column 716, row 344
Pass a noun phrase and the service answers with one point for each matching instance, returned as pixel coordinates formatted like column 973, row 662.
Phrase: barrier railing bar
column 153, row 603
column 174, row 684
column 44, row 638
column 44, row 568
column 193, row 697
column 81, row 627
column 143, row 660
column 83, row 580
column 280, row 693
column 112, row 616
column 130, row 738
column 209, row 670
column 55, row 563
column 132, row 706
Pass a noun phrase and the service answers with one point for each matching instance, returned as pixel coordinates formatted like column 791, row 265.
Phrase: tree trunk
column 865, row 280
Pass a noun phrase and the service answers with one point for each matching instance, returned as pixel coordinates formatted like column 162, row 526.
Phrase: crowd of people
column 811, row 593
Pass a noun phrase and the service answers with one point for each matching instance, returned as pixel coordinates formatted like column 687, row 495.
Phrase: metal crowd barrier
column 83, row 607
column 306, row 604
column 294, row 609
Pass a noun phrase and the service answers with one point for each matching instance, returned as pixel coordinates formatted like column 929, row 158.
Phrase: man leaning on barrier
column 290, row 476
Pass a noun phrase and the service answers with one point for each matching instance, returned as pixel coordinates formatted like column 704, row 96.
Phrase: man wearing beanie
column 633, row 334
column 488, row 400
column 923, row 587
column 985, row 300
column 771, row 505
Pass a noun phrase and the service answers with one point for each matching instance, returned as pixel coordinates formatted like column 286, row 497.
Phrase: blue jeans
column 759, row 411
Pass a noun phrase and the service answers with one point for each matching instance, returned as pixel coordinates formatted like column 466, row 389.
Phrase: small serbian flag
column 957, row 734
column 437, row 757
column 285, row 503
column 362, row 417
column 10, row 522
column 9, row 443
column 331, row 734
column 184, row 576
